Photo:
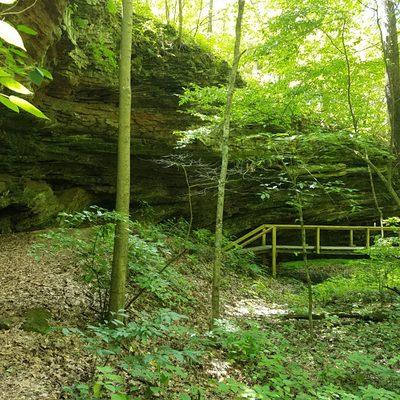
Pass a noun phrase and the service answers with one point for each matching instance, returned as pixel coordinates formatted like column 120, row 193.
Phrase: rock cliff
column 70, row 161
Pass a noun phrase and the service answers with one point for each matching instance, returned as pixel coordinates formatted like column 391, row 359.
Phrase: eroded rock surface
column 70, row 162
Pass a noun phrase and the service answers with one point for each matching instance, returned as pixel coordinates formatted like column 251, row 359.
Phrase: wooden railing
column 262, row 232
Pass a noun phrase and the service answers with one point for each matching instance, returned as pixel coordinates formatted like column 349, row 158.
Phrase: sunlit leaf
column 7, row 1
column 5, row 101
column 28, row 107
column 111, row 6
column 45, row 73
column 27, row 30
column 9, row 34
column 18, row 52
column 119, row 396
column 97, row 389
column 13, row 85
column 3, row 73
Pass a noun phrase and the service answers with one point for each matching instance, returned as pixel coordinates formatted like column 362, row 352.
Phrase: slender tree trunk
column 167, row 12
column 299, row 206
column 120, row 260
column 189, row 188
column 180, row 21
column 175, row 11
column 305, row 260
column 349, row 82
column 210, row 16
column 388, row 28
column 199, row 18
column 387, row 182
column 371, row 181
column 355, row 123
column 215, row 301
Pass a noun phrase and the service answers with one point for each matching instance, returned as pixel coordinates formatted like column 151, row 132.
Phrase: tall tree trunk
column 355, row 122
column 305, row 260
column 198, row 18
column 349, row 81
column 180, row 21
column 120, row 259
column 210, row 16
column 175, row 12
column 388, row 28
column 215, row 295
column 167, row 13
column 372, row 184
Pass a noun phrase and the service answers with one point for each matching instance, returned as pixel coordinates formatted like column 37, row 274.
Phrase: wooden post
column 264, row 243
column 318, row 240
column 351, row 238
column 264, row 238
column 368, row 239
column 274, row 253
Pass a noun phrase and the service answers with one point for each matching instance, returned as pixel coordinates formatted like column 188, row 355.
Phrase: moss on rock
column 37, row 320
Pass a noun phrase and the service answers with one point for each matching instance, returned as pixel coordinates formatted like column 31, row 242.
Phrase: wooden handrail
column 252, row 239
column 261, row 232
column 257, row 231
column 244, row 237
column 336, row 227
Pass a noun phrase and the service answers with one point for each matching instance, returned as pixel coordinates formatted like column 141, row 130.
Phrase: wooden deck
column 269, row 233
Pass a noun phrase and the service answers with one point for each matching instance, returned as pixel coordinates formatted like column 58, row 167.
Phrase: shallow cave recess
column 12, row 216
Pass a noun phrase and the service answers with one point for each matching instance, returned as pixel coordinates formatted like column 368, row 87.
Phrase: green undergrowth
column 165, row 349
column 350, row 283
column 320, row 269
column 167, row 267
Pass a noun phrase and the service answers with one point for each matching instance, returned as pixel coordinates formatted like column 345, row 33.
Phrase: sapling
column 302, row 185
column 121, row 243
column 215, row 295
column 203, row 178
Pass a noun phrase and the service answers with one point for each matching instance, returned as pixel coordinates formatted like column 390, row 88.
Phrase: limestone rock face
column 70, row 161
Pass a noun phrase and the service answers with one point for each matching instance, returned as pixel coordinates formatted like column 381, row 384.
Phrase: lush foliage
column 149, row 356
column 159, row 353
column 14, row 66
column 150, row 250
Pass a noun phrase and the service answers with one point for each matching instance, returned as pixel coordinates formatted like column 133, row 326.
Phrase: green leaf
column 114, row 378
column 19, row 52
column 5, row 101
column 28, row 107
column 111, row 6
column 3, row 73
column 27, row 30
column 36, row 77
column 13, row 85
column 106, row 369
column 7, row 1
column 45, row 73
column 97, row 389
column 9, row 34
column 118, row 396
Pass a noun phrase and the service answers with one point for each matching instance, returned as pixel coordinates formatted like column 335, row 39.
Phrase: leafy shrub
column 89, row 237
column 147, row 355
column 262, row 357
column 369, row 278
column 200, row 245
column 274, row 367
